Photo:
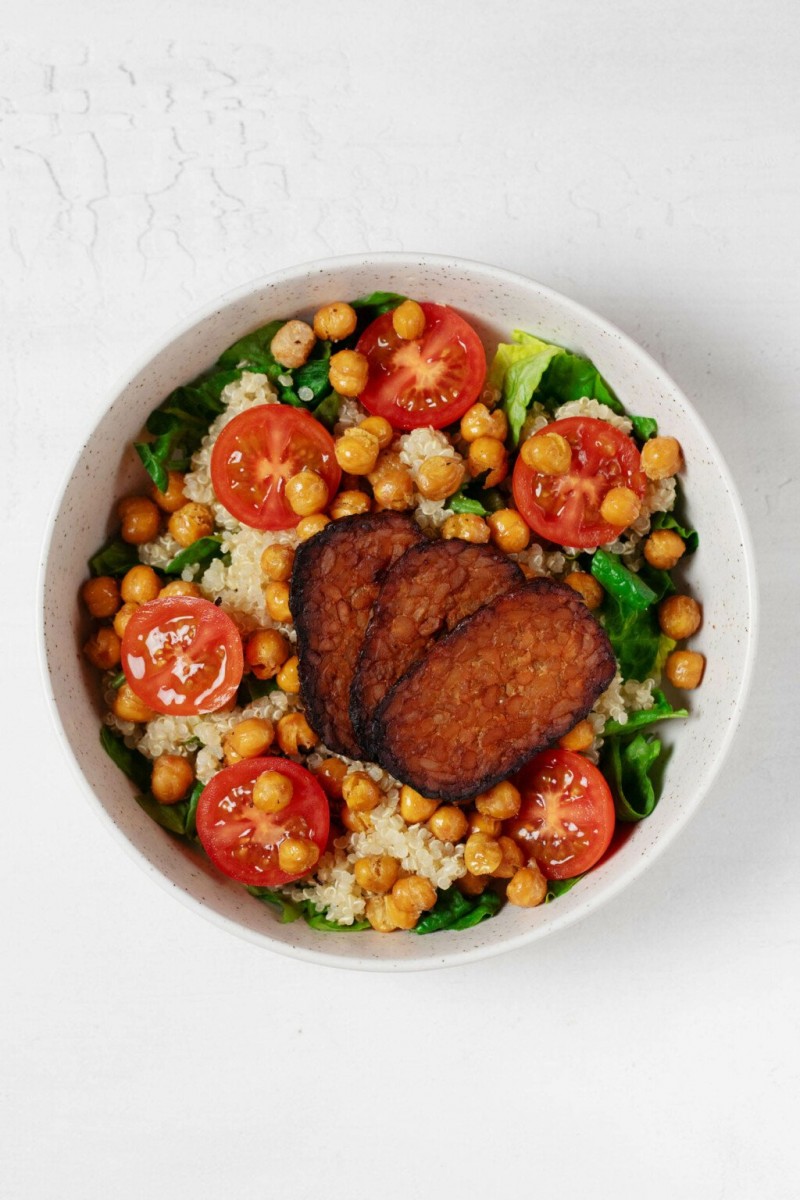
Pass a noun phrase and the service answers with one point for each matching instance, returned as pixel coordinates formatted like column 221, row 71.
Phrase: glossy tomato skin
column 566, row 508
column 431, row 380
column 182, row 656
column 567, row 817
column 258, row 451
column 242, row 841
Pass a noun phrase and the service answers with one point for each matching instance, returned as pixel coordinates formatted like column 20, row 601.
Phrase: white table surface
column 642, row 159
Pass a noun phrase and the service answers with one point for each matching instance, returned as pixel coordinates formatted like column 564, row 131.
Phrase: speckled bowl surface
column 720, row 575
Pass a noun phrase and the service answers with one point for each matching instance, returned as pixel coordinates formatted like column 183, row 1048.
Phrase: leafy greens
column 454, row 910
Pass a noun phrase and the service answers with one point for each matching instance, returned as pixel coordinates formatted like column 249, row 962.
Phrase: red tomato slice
column 431, row 380
column 258, row 451
column 182, row 656
column 567, row 816
column 566, row 508
column 243, row 841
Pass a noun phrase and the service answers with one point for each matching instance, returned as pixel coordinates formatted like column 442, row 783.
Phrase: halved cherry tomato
column 243, row 841
column 566, row 820
column 431, row 380
column 182, row 656
column 566, row 508
column 258, row 451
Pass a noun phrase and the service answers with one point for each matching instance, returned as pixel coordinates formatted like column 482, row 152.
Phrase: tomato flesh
column 182, row 656
column 243, row 841
column 430, row 380
column 258, row 451
column 566, row 508
column 566, row 820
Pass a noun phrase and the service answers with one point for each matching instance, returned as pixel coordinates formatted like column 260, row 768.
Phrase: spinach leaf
column 662, row 710
column 659, row 582
column 454, row 910
column 634, row 636
column 314, row 374
column 571, row 377
column 115, row 558
column 190, row 824
column 130, row 762
column 253, row 351
column 327, row 411
column 172, row 817
column 251, row 689
column 629, row 589
column 200, row 553
column 180, row 423
column 461, row 503
column 378, row 302
column 288, row 910
column 630, row 765
column 644, row 427
column 320, row 922
column 691, row 537
column 558, row 887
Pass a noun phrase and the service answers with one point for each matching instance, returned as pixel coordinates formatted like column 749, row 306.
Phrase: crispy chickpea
column 139, row 585
column 508, row 530
column 173, row 498
column 335, row 321
column 122, row 616
column 472, row 885
column 360, row 793
column 579, row 738
column 415, row 893
column 350, row 504
column 478, row 422
column 679, row 617
column 414, row 807
column 512, row 859
column 265, row 652
column 481, row 823
column 663, row 549
column 102, row 648
column 308, row 527
column 527, row 888
column 378, row 917
column 488, row 454
column 439, row 477
column 295, row 734
column 276, row 596
column 288, row 677
column 140, row 520
column 355, row 822
column 272, row 792
column 401, row 918
column 357, row 451
column 620, row 507
column 190, row 523
column 393, row 488
column 331, row 773
column 306, row 493
column 128, row 707
column 587, row 588
column 101, row 596
column 277, row 562
column 684, row 669
column 380, row 428
column 502, row 801
column 292, row 344
column 547, row 453
column 297, row 856
column 348, row 372
column 408, row 320
column 180, row 587
column 467, row 526
column 171, row 779
column 527, row 570
column 661, row 457
column 376, row 873
column 448, row 823
column 482, row 854
column 248, row 739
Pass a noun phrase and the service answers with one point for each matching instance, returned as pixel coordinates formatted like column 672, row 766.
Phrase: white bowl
column 720, row 575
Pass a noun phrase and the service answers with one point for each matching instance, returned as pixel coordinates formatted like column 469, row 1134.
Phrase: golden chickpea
column 376, row 873
column 272, row 792
column 415, row 893
column 478, row 422
column 481, row 823
column 140, row 519
column 684, row 669
column 180, row 587
column 502, row 801
column 360, row 793
column 408, row 320
column 488, row 454
column 173, row 498
column 527, row 888
column 482, row 854
column 380, row 428
column 512, row 859
column 348, row 372
column 378, row 917
column 101, row 596
column 139, row 585
column 508, row 530
column 661, row 457
column 357, row 451
column 587, row 588
column 276, row 596
column 355, row 822
column 331, row 773
column 297, row 856
column 335, row 321
column 467, row 526
column 265, row 652
column 306, row 493
column 547, row 453
column 350, row 504
column 414, row 807
column 439, row 477
column 295, row 734
column 248, row 739
column 103, row 648
column 190, row 523
column 579, row 738
column 292, row 344
column 620, row 507
column 679, row 617
column 171, row 779
column 448, row 823
column 122, row 616
column 308, row 527
column 663, row 549
column 277, row 562
column 401, row 918
column 288, row 677
column 472, row 885
column 128, row 707
column 393, row 488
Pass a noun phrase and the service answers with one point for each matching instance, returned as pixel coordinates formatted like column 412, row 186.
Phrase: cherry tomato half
column 182, row 656
column 243, row 841
column 566, row 508
column 431, row 380
column 258, row 451
column 566, row 820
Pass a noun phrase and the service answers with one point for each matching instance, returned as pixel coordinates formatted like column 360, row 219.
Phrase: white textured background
column 644, row 160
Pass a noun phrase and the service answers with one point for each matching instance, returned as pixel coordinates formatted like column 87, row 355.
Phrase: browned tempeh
column 427, row 592
column 335, row 580
column 507, row 682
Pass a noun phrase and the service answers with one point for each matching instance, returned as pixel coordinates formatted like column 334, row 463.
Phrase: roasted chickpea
column 101, row 596
column 547, row 453
column 272, row 792
column 587, row 588
column 679, row 617
column 276, row 596
column 331, row 773
column 401, row 918
column 478, row 422
column 661, row 457
column 663, row 549
column 414, row 807
column 265, row 652
column 393, row 488
column 378, row 917
column 512, row 859
column 295, row 734
column 139, row 585
column 140, row 520
column 122, row 616
column 306, row 493
column 288, row 677
column 357, row 451
column 408, row 320
column 376, row 873
column 360, row 793
column 480, row 823
column 448, row 823
column 439, row 477
column 684, row 669
column 355, row 822
column 350, row 504
column 508, row 530
column 102, row 648
column 527, row 888
column 579, row 738
column 171, row 778
column 482, row 854
column 472, row 885
column 190, row 523
column 467, row 526
column 488, row 454
column 380, row 428
column 620, row 507
column 335, row 321
column 292, row 344
column 248, row 739
column 348, row 372
column 308, row 527
column 173, row 498
column 277, row 562
column 502, row 801
column 415, row 893
column 128, row 707
column 180, row 587
column 297, row 856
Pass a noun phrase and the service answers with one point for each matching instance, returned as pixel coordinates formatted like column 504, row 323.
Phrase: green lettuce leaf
column 662, row 710
column 629, row 589
column 644, row 427
column 454, row 910
column 559, row 887
column 517, row 370
column 378, row 302
column 571, row 377
column 691, row 537
column 633, row 767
